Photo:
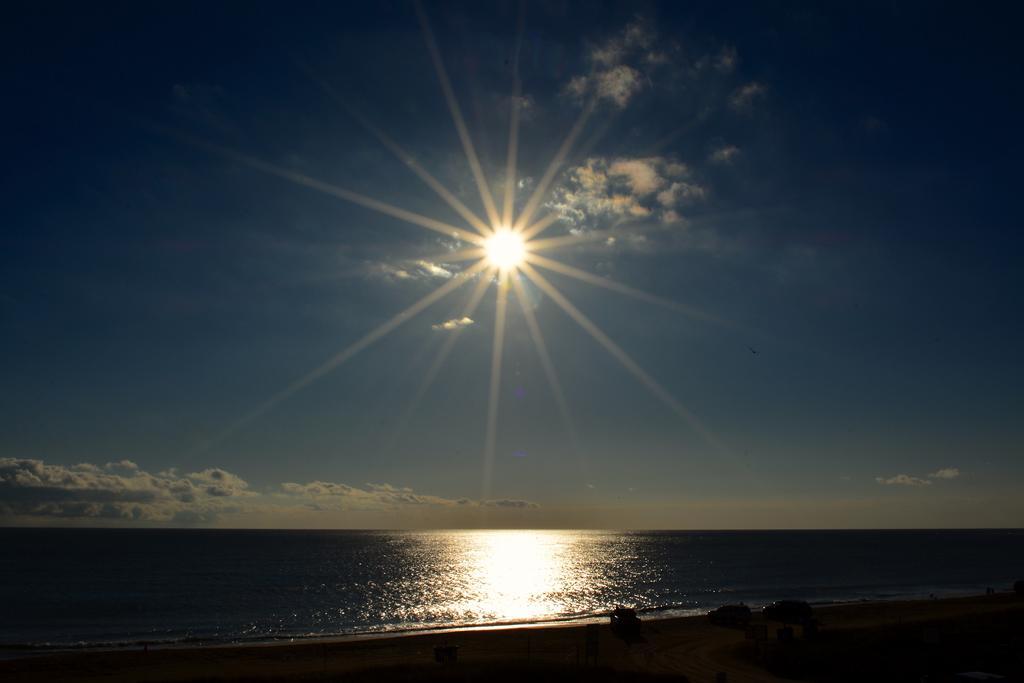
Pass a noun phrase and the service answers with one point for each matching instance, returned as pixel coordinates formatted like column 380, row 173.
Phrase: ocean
column 74, row 588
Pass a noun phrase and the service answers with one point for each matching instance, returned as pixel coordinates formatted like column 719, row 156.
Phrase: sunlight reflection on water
column 487, row 576
column 122, row 586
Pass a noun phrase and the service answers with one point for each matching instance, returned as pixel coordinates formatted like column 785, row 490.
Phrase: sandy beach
column 883, row 640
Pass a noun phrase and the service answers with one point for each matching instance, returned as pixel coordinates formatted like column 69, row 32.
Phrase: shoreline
column 11, row 651
column 678, row 645
column 651, row 614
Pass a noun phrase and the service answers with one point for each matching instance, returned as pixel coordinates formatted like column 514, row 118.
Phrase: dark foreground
column 884, row 641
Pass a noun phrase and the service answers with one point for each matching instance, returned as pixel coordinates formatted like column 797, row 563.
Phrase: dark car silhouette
column 737, row 616
column 625, row 621
column 788, row 611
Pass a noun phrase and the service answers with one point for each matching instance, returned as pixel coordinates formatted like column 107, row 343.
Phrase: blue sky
column 833, row 187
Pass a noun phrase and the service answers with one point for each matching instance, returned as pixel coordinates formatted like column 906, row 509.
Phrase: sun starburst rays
column 475, row 298
column 456, row 113
column 494, row 395
column 501, row 250
column 549, row 369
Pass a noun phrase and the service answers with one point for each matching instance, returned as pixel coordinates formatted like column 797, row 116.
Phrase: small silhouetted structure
column 1018, row 587
column 446, row 654
column 788, row 611
column 730, row 616
column 624, row 621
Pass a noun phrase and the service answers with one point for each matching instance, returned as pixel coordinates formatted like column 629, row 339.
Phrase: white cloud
column 218, row 482
column 744, row 96
column 609, row 54
column 433, row 269
column 725, row 154
column 641, row 174
column 116, row 491
column 903, row 480
column 907, row 480
column 122, row 492
column 454, row 323
column 410, row 270
column 625, row 188
column 618, row 84
column 635, row 36
column 615, row 74
column 636, row 59
column 682, row 193
column 334, row 496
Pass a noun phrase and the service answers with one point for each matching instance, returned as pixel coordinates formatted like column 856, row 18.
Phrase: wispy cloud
column 744, row 96
column 903, row 480
column 329, row 495
column 418, row 269
column 454, row 324
column 723, row 155
column 907, row 480
column 727, row 59
column 510, row 503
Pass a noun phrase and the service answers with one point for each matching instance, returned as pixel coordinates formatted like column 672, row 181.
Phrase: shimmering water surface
column 74, row 587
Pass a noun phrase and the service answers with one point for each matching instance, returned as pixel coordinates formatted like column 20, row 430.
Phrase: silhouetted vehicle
column 625, row 621
column 1018, row 587
column 788, row 611
column 734, row 616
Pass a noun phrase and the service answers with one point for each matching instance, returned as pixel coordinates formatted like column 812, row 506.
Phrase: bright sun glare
column 503, row 243
column 505, row 249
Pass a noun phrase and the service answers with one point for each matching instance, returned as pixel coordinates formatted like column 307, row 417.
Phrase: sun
column 505, row 249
